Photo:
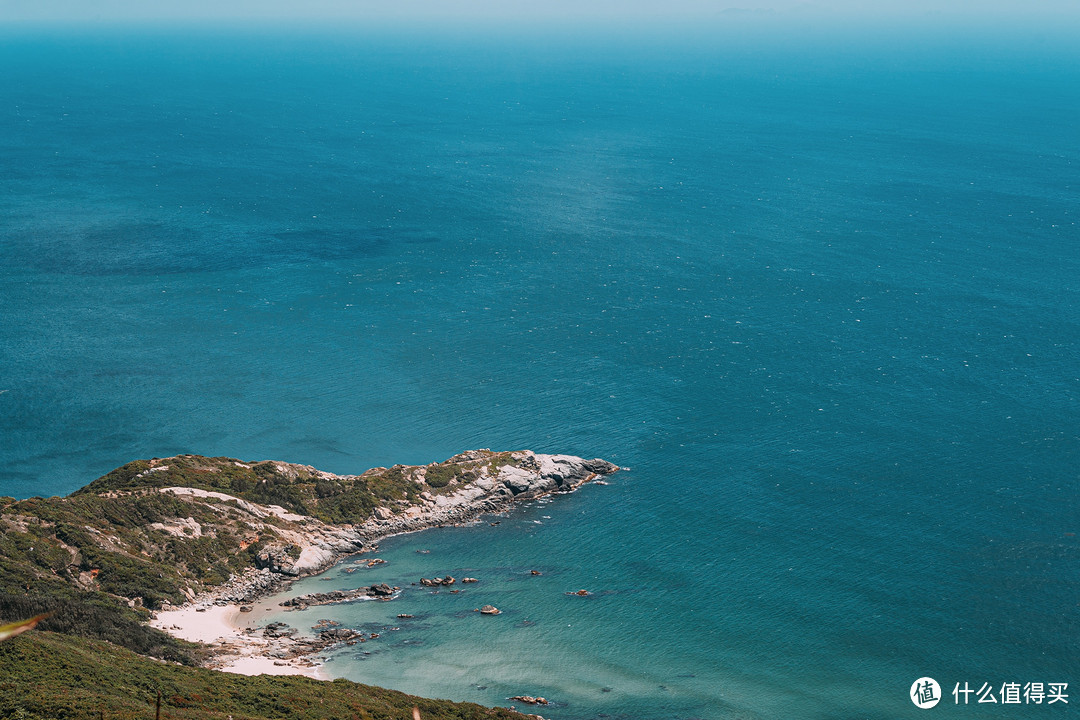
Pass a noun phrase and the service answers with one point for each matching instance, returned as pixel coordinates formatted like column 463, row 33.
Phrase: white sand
column 215, row 624
column 236, row 651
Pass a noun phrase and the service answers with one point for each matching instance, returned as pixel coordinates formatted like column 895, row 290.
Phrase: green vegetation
column 88, row 567
column 302, row 490
column 439, row 476
column 68, row 560
column 94, row 562
column 96, row 615
column 46, row 675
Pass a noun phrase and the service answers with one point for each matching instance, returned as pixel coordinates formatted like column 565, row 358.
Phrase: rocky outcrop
column 245, row 587
column 283, row 642
column 537, row 475
column 486, row 487
column 381, row 591
column 319, row 546
column 530, row 700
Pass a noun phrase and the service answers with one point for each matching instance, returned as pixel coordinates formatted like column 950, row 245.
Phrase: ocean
column 818, row 294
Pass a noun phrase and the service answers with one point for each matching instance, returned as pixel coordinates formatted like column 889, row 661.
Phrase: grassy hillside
column 48, row 675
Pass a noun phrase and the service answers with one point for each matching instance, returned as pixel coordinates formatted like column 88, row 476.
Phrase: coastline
column 239, row 642
column 224, row 630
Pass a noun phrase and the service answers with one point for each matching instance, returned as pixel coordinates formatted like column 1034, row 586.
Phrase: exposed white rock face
column 180, row 528
column 518, row 479
column 314, row 558
column 542, row 474
column 253, row 508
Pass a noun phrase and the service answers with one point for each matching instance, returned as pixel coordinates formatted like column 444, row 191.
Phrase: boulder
column 337, row 634
column 278, row 629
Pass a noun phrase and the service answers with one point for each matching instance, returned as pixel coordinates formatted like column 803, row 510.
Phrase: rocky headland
column 164, row 539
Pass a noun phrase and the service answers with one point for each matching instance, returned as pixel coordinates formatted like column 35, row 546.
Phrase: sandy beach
column 238, row 647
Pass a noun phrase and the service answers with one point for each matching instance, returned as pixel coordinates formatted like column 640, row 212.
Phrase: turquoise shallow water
column 820, row 298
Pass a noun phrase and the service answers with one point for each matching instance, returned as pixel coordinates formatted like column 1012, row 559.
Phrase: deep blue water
column 820, row 297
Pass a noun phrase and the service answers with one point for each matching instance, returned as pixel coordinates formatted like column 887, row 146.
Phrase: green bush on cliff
column 440, row 475
column 352, row 506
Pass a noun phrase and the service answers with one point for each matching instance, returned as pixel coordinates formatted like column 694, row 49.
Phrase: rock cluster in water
column 382, row 591
column 530, row 700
